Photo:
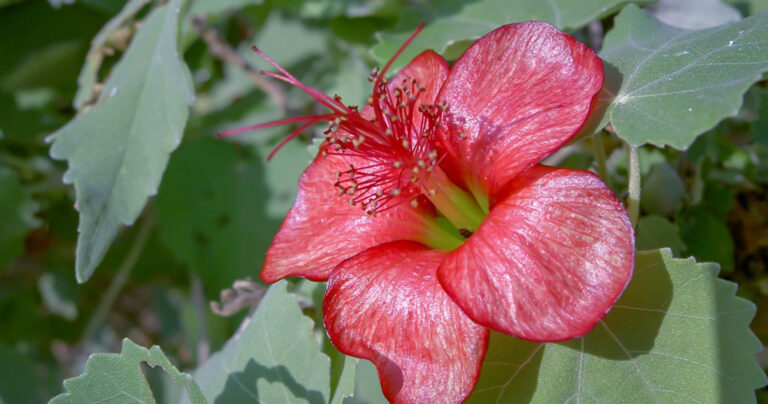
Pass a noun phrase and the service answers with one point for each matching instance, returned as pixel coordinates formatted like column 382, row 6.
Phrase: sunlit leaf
column 670, row 85
column 88, row 74
column 454, row 21
column 345, row 386
column 678, row 334
column 118, row 378
column 117, row 151
column 273, row 358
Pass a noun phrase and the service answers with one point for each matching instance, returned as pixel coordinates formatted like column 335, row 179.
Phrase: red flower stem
column 459, row 207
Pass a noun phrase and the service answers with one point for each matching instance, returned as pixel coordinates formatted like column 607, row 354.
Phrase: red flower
column 429, row 216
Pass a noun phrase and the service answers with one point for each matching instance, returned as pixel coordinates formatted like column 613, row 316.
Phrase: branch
column 244, row 293
column 226, row 54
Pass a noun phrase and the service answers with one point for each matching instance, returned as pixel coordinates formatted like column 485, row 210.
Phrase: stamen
column 394, row 149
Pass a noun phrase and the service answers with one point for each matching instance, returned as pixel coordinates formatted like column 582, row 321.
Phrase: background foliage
column 121, row 216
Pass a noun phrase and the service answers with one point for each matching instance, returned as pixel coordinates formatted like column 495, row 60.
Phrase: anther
column 414, row 203
column 465, row 233
column 397, row 164
column 394, row 192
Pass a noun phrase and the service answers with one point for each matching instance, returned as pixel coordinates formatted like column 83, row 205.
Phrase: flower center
column 391, row 149
column 392, row 154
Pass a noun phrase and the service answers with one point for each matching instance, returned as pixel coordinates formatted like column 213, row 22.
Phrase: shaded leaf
column 455, row 21
column 17, row 216
column 24, row 378
column 57, row 292
column 655, row 232
column 118, row 150
column 43, row 46
column 274, row 357
column 237, row 201
column 671, row 85
column 760, row 125
column 707, row 237
column 118, row 378
column 749, row 6
column 663, row 190
column 678, row 334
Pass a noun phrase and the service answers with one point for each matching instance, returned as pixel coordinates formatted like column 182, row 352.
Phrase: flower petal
column 550, row 259
column 514, row 97
column 322, row 229
column 386, row 305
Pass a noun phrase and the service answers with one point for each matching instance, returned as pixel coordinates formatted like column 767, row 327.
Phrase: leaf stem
column 633, row 167
column 109, row 297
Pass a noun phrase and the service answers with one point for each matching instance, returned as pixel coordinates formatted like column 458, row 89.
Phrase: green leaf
column 663, row 191
column 238, row 202
column 56, row 291
column 118, row 150
column 17, row 215
column 749, row 6
column 760, row 125
column 454, row 21
column 273, row 358
column 678, row 334
column 90, row 70
column 367, row 385
column 119, row 378
column 345, row 387
column 694, row 14
column 43, row 46
column 285, row 40
column 671, row 85
column 707, row 237
column 24, row 377
column 204, row 7
column 657, row 232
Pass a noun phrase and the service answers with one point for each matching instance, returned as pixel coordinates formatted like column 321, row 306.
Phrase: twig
column 244, row 293
column 226, row 54
column 120, row 278
column 633, row 199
